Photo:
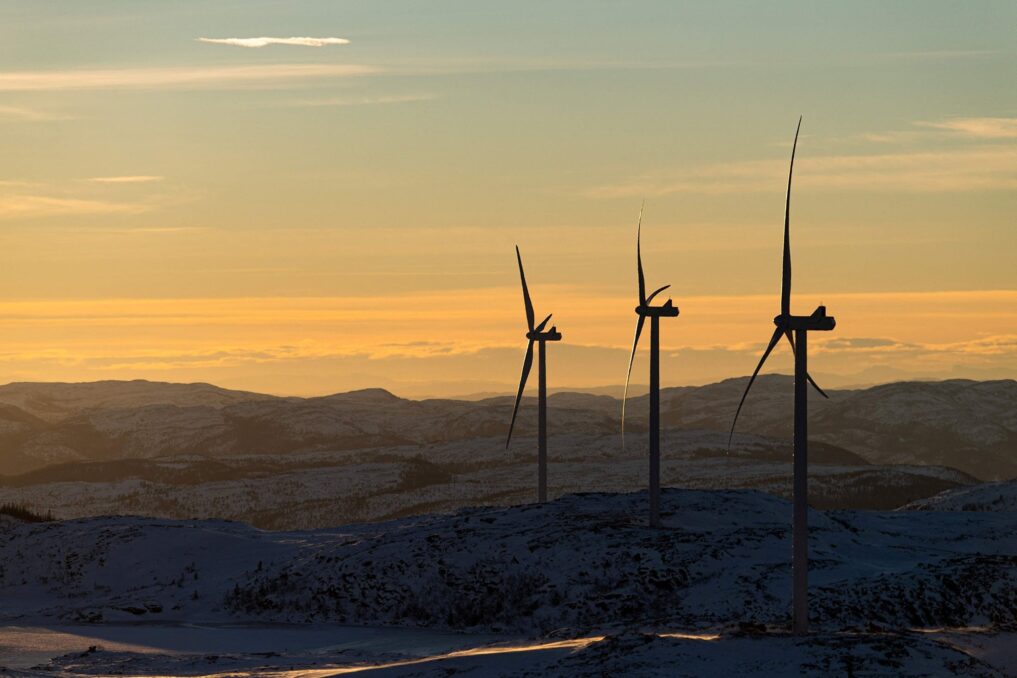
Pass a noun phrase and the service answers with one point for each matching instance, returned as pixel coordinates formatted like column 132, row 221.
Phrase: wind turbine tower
column 644, row 310
column 535, row 334
column 796, row 328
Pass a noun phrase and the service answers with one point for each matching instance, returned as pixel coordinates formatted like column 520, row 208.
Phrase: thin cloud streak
column 131, row 179
column 980, row 128
column 21, row 114
column 340, row 102
column 32, row 206
column 938, row 54
column 257, row 43
column 960, row 170
column 195, row 77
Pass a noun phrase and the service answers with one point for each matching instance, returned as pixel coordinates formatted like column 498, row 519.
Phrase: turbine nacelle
column 551, row 335
column 668, row 310
column 817, row 322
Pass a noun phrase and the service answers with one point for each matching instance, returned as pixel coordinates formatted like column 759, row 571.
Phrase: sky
column 307, row 197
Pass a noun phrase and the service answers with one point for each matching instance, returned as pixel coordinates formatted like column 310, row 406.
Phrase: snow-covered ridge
column 53, row 401
column 983, row 497
column 581, row 562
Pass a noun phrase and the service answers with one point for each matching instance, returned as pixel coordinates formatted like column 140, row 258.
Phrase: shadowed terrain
column 967, row 425
column 900, row 592
column 182, row 451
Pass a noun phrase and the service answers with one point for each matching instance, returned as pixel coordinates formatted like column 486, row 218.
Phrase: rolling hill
column 967, row 425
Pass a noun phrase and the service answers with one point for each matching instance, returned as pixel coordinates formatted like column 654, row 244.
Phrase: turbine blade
column 639, row 258
column 816, row 386
column 527, row 364
column 655, row 293
column 526, row 292
column 785, row 278
column 766, row 354
column 628, row 375
column 791, row 340
column 543, row 323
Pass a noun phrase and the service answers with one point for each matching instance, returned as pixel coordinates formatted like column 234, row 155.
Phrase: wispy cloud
column 960, row 169
column 22, row 114
column 937, row 54
column 130, row 179
column 981, row 128
column 958, row 129
column 266, row 41
column 362, row 101
column 146, row 230
column 859, row 343
column 28, row 206
column 193, row 77
column 894, row 136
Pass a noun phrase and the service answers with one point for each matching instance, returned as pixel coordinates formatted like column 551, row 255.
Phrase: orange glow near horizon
column 248, row 342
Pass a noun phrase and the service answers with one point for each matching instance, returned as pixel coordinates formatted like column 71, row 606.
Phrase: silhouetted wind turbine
column 801, row 325
column 535, row 334
column 654, row 313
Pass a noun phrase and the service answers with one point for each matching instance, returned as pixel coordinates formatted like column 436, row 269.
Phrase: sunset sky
column 181, row 202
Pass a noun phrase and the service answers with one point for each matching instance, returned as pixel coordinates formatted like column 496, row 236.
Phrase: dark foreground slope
column 583, row 562
column 629, row 654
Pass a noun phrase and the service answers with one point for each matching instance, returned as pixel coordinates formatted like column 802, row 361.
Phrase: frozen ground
column 583, row 562
column 318, row 651
column 152, row 643
column 883, row 587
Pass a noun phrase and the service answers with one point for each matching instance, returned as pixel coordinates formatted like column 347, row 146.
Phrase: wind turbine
column 539, row 336
column 800, row 325
column 654, row 313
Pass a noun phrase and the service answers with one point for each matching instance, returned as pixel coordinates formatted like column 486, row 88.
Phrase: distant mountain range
column 967, row 425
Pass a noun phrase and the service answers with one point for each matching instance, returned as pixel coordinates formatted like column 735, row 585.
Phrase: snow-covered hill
column 983, row 497
column 583, row 562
